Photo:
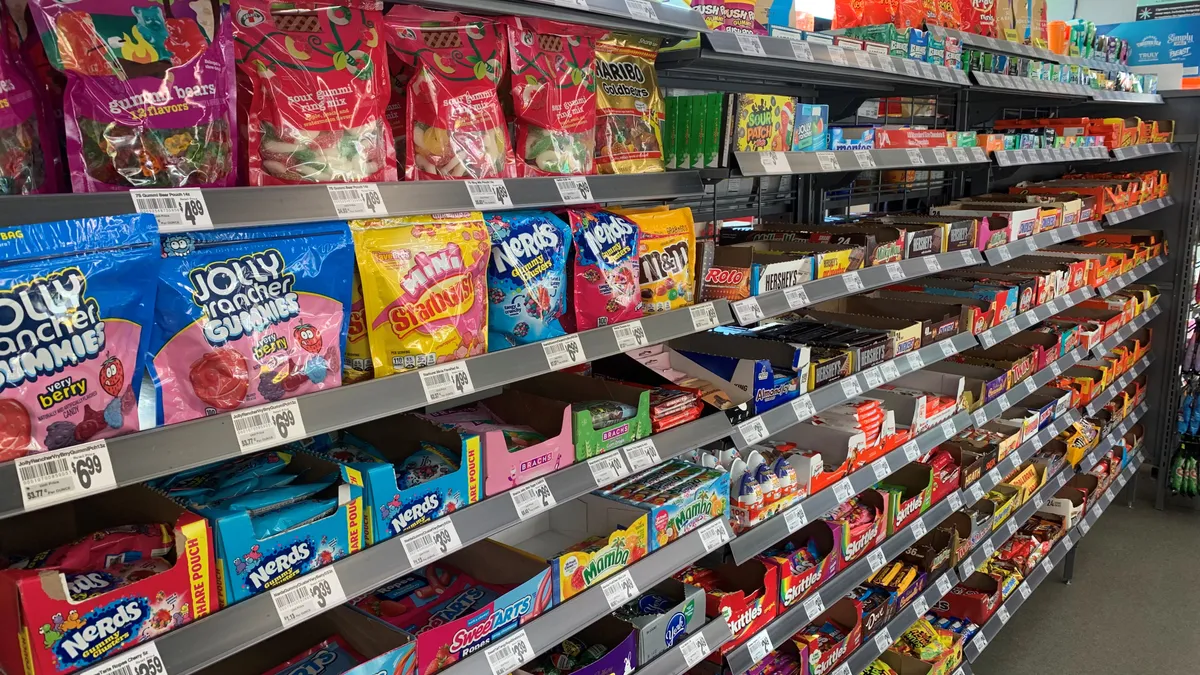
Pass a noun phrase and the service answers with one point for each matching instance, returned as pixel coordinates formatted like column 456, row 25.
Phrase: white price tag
column 607, row 468
column 1005, row 253
column 642, row 9
column 753, row 430
column 828, row 161
column 961, row 156
column 619, row 590
column 910, row 67
column 948, row 429
column 630, row 335
column 944, row 74
column 814, row 606
column 912, row 451
column 888, row 64
column 914, row 156
column 574, row 189
column 873, row 377
column 445, row 381
column 943, row 584
column 883, row 640
column 876, row 560
column 796, row 297
column 1004, row 403
column 994, row 476
column 853, row 281
column 955, row 501
column 356, row 200
column 837, row 55
column 795, row 518
column 801, row 50
column 774, row 162
column 920, row 605
column 311, row 594
column 865, row 161
column 509, row 654
column 141, row 660
column 1023, row 589
column 704, row 316
column 843, row 669
column 940, row 156
column 564, row 352
column 489, row 194
column 1002, row 612
column 864, row 60
column 175, row 210
column 431, row 542
column 881, row 469
column 850, row 387
column 918, row 528
column 759, row 646
column 895, row 272
column 979, row 417
column 987, row 548
column 713, row 535
column 1047, row 565
column 573, row 4
column 694, row 649
column 927, row 70
column 748, row 311
column 947, row 348
column 62, row 475
column 1055, row 369
column 889, row 370
column 980, row 641
column 1061, row 480
column 532, row 498
column 1084, row 527
column 842, row 490
column 268, row 425
column 975, row 493
column 803, row 407
column 750, row 44
column 915, row 361
column 642, row 454
column 1011, row 525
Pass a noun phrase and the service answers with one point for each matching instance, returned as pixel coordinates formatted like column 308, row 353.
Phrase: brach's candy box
column 804, row 560
column 585, row 541
column 464, row 602
column 343, row 641
column 409, row 478
column 746, row 595
column 605, row 414
column 90, row 578
column 664, row 616
column 676, row 498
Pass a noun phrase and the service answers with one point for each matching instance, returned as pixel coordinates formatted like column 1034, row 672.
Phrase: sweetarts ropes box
column 54, row 622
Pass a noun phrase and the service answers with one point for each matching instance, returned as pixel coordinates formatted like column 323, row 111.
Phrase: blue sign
column 1160, row 41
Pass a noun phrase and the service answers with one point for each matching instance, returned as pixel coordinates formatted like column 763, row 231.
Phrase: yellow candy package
column 424, row 286
column 629, row 108
column 357, row 365
column 666, row 256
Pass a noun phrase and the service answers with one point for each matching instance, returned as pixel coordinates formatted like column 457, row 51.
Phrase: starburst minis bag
column 74, row 324
column 630, row 109
column 554, row 95
column 314, row 80
column 424, row 282
column 246, row 317
column 150, row 89
column 455, row 123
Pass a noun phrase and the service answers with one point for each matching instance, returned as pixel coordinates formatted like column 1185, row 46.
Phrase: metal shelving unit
column 1125, row 215
column 769, row 163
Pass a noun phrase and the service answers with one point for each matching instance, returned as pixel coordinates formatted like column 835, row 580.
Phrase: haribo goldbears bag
column 246, row 317
column 150, row 91
column 424, row 282
column 666, row 258
column 527, row 277
column 554, row 95
column 74, row 324
column 456, row 126
column 604, row 270
column 630, row 108
column 314, row 78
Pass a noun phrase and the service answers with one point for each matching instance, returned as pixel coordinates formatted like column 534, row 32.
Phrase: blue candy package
column 271, row 500
column 74, row 325
column 527, row 277
column 252, row 485
column 290, row 517
column 249, row 316
column 330, row 657
column 430, row 462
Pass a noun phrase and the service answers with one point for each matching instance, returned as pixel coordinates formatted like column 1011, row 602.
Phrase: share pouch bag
column 74, row 323
column 247, row 317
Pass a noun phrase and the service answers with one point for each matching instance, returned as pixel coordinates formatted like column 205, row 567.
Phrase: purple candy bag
column 29, row 159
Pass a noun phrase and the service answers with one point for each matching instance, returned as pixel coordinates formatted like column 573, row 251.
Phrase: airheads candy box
column 249, row 316
column 398, row 499
column 74, row 325
column 43, row 631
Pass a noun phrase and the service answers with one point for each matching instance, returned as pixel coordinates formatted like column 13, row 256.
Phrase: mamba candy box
column 44, row 632
column 674, row 498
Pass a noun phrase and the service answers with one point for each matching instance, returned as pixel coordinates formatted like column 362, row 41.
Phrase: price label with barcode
column 774, row 162
column 175, row 210
column 876, row 560
column 881, row 469
column 1023, row 589
column 889, row 371
column 895, row 271
column 431, row 542
column 509, row 654
column 573, row 4
column 607, row 468
column 642, row 454
column 759, row 646
column 694, row 649
column 141, row 660
column 750, row 44
column 915, row 361
column 704, row 316
column 864, row 60
column 564, row 352
column 850, row 387
column 918, row 528
column 795, row 518
column 873, row 377
column 975, row 493
column 912, row 451
column 642, row 9
column 801, row 50
column 356, row 200
column 1047, row 565
column 955, row 501
column 753, row 430
column 1003, row 400
column 713, row 535
column 619, row 590
column 1002, row 612
column 853, row 282
column 943, row 584
column 574, row 190
column 532, row 498
column 1062, row 479
column 796, row 297
column 837, row 55
column 1011, row 525
column 932, row 264
column 309, row 595
column 865, row 161
column 630, row 335
column 887, row 63
column 842, row 490
column 988, row 548
column 814, row 606
column 748, row 311
column 914, row 156
column 828, row 161
column 268, row 425
column 980, row 641
column 920, row 605
column 948, row 429
column 980, row 417
column 940, row 156
column 803, row 407
column 927, row 70
column 961, row 155
column 910, row 67
column 446, row 381
column 489, row 194
column 883, row 640
column 62, row 475
column 947, row 347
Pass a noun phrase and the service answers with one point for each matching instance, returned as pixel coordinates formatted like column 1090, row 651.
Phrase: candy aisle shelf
column 770, row 354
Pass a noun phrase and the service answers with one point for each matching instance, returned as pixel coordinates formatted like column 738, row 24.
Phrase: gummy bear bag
column 604, row 270
column 424, row 282
column 150, row 91
column 457, row 127
column 246, row 317
column 74, row 324
column 29, row 159
column 314, row 80
column 527, row 277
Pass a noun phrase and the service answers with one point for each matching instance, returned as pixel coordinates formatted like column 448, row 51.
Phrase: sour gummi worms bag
column 314, row 82
column 554, row 95
column 424, row 283
column 246, row 317
column 29, row 159
column 527, row 277
column 150, row 91
column 76, row 302
column 455, row 123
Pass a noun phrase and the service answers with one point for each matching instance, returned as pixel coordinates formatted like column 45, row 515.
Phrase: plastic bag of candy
column 604, row 270
column 630, row 109
column 29, row 159
column 314, row 78
column 149, row 97
column 455, row 123
column 554, row 95
column 527, row 277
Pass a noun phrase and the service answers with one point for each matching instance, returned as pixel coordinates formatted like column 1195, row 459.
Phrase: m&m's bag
column 666, row 258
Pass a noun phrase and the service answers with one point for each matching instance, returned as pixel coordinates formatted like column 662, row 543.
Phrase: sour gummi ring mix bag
column 314, row 76
column 75, row 313
column 455, row 123
column 424, row 283
column 554, row 95
column 150, row 91
column 246, row 317
column 604, row 270
column 527, row 277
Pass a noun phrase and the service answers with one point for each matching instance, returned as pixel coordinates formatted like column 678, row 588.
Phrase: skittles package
column 666, row 258
column 527, row 277
column 604, row 270
column 29, row 159
column 424, row 281
column 74, row 324
column 554, row 95
column 251, row 316
column 456, row 125
column 149, row 100
column 314, row 78
column 630, row 107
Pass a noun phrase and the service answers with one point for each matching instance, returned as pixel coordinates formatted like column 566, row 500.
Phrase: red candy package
column 113, row 546
column 455, row 123
column 314, row 78
column 554, row 95
column 604, row 270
